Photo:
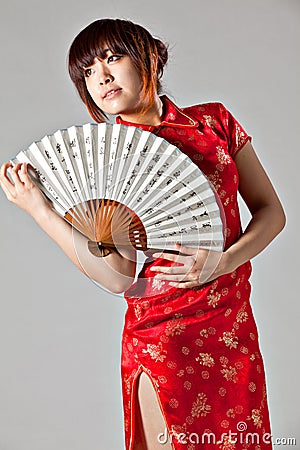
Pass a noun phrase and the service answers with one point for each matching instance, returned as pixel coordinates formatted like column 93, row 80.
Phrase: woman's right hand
column 22, row 191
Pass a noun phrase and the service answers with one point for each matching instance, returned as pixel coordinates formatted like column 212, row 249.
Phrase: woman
column 190, row 354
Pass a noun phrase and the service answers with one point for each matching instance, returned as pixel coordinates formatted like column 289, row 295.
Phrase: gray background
column 59, row 332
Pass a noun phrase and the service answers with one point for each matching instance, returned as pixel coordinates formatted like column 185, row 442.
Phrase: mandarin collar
column 172, row 116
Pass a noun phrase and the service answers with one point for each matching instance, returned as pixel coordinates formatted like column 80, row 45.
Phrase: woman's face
column 115, row 85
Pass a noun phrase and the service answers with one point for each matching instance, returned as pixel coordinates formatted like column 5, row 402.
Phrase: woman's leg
column 149, row 421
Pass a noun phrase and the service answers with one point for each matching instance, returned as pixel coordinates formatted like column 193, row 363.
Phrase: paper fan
column 119, row 185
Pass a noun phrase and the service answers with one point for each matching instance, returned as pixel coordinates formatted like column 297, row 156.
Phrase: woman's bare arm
column 115, row 272
column 268, row 217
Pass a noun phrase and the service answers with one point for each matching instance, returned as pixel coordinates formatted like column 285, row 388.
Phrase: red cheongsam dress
column 199, row 346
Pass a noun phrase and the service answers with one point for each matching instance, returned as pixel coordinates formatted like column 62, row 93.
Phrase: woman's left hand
column 193, row 266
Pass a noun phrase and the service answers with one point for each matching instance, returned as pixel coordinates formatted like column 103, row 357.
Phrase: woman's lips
column 111, row 93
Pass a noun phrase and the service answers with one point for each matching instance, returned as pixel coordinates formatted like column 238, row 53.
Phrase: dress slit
column 137, row 438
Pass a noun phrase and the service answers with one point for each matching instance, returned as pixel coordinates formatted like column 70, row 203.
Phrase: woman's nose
column 105, row 79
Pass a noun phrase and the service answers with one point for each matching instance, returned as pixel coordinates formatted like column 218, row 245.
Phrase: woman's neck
column 152, row 116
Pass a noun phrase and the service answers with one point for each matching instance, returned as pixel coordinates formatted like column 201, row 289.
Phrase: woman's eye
column 113, row 58
column 88, row 72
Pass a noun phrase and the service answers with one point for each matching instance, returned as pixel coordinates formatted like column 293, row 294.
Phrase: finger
column 186, row 250
column 6, row 184
column 21, row 177
column 9, row 194
column 24, row 175
column 171, row 257
column 14, row 173
column 179, row 277
column 3, row 171
column 170, row 270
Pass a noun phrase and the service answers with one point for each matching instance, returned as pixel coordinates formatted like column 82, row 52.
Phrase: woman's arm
column 115, row 272
column 268, row 219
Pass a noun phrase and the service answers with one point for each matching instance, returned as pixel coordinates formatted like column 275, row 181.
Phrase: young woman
column 191, row 362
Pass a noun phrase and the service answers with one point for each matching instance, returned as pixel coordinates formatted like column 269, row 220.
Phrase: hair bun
column 162, row 51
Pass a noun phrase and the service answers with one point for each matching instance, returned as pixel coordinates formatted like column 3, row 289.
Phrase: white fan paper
column 130, row 171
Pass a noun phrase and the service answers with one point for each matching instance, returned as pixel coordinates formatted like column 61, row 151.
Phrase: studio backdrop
column 60, row 333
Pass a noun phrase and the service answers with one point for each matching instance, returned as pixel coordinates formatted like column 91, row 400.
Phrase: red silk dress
column 199, row 346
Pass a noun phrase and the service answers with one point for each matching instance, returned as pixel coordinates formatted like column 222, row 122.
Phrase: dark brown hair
column 122, row 37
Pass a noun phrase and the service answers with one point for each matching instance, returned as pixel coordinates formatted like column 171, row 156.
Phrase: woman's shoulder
column 214, row 108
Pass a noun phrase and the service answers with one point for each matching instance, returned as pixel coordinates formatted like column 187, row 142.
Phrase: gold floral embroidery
column 175, row 327
column 240, row 137
column 139, row 306
column 230, row 374
column 199, row 342
column 200, row 408
column 228, row 312
column 130, row 347
column 189, row 369
column 223, row 157
column 226, row 443
column 230, row 339
column 239, row 409
column 172, row 364
column 222, row 391
column 187, row 385
column 224, row 360
column 209, row 120
column 138, row 311
column 213, row 299
column 174, row 403
column 156, row 352
column 256, row 416
column 225, row 424
column 204, row 333
column 244, row 350
column 205, row 359
column 198, row 157
column 215, row 179
column 230, row 413
column 162, row 379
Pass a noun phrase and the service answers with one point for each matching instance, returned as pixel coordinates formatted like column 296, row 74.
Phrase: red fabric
column 199, row 346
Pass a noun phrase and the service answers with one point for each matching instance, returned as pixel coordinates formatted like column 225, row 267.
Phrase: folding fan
column 120, row 185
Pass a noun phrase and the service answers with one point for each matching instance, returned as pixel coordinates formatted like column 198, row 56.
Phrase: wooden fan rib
column 119, row 225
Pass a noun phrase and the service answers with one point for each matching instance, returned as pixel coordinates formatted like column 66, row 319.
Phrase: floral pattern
column 200, row 408
column 199, row 346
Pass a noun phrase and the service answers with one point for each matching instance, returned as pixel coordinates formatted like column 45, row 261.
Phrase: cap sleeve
column 236, row 135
